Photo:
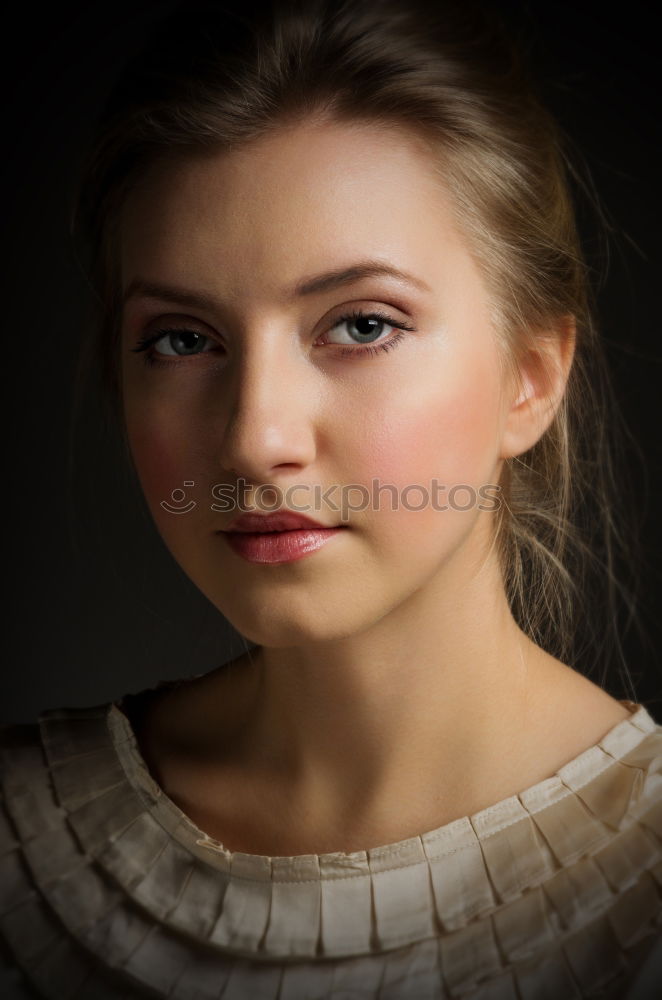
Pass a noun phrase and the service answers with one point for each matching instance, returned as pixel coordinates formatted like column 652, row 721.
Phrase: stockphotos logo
column 341, row 499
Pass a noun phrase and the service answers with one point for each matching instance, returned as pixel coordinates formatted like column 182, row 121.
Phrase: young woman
column 345, row 324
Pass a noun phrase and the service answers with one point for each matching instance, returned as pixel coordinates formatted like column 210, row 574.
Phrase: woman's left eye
column 365, row 331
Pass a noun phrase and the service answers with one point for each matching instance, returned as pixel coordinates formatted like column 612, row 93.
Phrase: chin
column 278, row 628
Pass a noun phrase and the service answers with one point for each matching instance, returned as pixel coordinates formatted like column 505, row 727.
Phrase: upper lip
column 284, row 520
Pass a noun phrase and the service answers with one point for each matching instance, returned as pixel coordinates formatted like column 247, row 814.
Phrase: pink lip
column 283, row 536
column 284, row 520
column 278, row 546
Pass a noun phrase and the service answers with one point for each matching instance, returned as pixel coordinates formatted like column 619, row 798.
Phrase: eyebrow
column 355, row 272
column 308, row 286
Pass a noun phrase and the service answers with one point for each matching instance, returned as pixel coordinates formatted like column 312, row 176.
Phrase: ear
column 534, row 399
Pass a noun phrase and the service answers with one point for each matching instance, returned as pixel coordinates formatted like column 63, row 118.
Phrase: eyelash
column 362, row 350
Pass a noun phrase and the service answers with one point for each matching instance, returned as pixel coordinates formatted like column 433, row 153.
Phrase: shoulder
column 59, row 734
column 41, row 762
column 64, row 795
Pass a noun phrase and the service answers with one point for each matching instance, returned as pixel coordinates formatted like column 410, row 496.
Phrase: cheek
column 437, row 443
column 163, row 462
column 447, row 431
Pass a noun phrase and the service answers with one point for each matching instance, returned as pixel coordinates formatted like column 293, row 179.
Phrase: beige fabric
column 107, row 890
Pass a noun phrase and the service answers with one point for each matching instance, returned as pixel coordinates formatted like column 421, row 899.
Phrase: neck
column 437, row 686
column 438, row 709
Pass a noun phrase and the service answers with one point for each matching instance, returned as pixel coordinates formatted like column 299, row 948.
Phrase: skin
column 391, row 691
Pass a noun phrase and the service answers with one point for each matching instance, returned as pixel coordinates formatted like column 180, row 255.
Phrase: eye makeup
column 146, row 344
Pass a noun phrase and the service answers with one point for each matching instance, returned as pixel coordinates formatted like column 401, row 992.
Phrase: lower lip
column 278, row 546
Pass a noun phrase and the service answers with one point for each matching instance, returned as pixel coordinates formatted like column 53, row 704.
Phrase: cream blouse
column 108, row 891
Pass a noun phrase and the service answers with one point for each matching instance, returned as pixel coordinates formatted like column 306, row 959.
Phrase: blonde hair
column 216, row 76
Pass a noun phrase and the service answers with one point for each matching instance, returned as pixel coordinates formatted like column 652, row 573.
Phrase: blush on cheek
column 451, row 440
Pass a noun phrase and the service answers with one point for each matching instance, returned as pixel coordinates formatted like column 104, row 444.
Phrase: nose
column 269, row 419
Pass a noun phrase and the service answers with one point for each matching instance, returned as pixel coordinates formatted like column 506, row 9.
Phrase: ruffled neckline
column 577, row 772
column 137, row 884
column 280, row 905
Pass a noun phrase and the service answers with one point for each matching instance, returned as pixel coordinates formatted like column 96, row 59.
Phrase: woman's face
column 269, row 384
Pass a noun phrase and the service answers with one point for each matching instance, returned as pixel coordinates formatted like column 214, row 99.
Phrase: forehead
column 294, row 202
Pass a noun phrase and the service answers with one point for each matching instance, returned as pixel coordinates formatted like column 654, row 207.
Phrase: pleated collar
column 334, row 904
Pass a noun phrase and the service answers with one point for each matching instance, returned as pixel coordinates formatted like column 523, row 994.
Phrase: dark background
column 97, row 606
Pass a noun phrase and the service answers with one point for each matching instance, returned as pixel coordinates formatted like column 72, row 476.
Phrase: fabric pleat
column 346, row 904
column 108, row 890
column 461, row 884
